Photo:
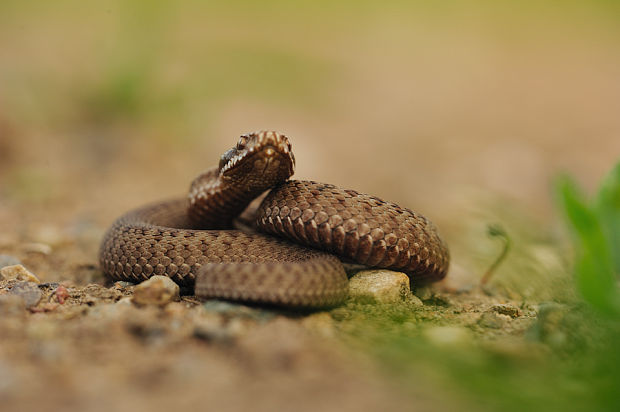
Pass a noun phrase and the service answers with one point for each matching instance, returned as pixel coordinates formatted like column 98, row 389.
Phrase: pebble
column 507, row 309
column 62, row 294
column 158, row 290
column 28, row 292
column 382, row 286
column 8, row 260
column 18, row 272
column 121, row 284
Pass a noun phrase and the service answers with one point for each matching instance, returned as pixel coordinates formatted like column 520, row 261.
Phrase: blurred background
column 462, row 110
column 421, row 103
column 455, row 109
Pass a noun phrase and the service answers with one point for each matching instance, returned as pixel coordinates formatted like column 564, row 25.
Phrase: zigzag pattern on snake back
column 192, row 240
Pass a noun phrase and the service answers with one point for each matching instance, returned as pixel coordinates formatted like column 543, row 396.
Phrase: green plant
column 596, row 228
column 497, row 231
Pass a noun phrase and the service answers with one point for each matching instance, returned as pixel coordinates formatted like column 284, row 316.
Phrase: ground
column 85, row 345
column 93, row 349
column 466, row 113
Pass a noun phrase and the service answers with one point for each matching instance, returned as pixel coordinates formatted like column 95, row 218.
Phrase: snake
column 291, row 250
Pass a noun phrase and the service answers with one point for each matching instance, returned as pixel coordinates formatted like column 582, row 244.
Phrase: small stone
column 121, row 284
column 158, row 290
column 8, row 260
column 62, row 294
column 18, row 272
column 507, row 309
column 381, row 286
column 28, row 292
column 493, row 320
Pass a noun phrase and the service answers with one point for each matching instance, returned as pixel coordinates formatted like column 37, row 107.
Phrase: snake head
column 260, row 158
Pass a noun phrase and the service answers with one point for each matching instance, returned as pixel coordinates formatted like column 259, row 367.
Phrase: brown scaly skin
column 186, row 240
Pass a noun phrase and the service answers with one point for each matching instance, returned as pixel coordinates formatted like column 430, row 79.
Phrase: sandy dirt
column 464, row 119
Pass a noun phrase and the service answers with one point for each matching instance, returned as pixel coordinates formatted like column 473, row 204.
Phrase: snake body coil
column 192, row 241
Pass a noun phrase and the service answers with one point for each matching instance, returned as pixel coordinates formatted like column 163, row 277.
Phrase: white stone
column 382, row 286
column 158, row 290
column 18, row 272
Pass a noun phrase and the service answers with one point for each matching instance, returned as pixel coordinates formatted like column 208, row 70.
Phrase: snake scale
column 306, row 225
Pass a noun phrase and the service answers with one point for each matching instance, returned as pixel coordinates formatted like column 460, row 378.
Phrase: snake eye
column 241, row 143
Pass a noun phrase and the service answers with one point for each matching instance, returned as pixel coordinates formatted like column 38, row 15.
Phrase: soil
column 465, row 116
column 86, row 346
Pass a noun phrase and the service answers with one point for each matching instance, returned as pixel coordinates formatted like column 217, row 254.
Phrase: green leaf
column 594, row 267
column 608, row 209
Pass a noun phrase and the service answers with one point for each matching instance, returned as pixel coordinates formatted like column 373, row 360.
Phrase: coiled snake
column 193, row 241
